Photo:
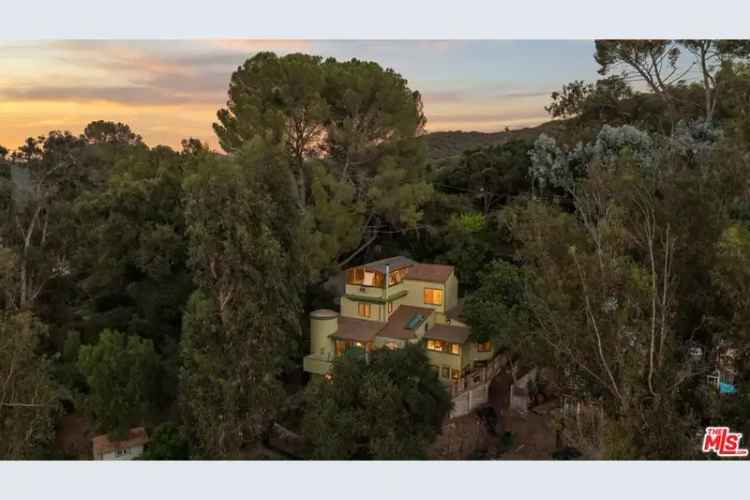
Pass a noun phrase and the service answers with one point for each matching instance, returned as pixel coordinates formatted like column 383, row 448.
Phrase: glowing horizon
column 170, row 90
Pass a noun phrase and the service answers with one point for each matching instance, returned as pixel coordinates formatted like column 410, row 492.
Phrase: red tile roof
column 396, row 326
column 360, row 330
column 456, row 334
column 434, row 273
column 136, row 437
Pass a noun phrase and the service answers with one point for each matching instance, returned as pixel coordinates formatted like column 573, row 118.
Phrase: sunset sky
column 171, row 89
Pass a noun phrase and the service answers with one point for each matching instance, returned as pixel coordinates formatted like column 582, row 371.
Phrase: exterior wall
column 320, row 329
column 471, row 355
column 130, row 454
column 451, row 292
column 441, row 359
column 415, row 297
column 349, row 309
column 316, row 364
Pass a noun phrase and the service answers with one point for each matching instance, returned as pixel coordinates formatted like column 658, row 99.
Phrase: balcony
column 316, row 363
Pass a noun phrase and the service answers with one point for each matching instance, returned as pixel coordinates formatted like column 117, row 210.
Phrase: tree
column 603, row 101
column 242, row 323
column 617, row 281
column 28, row 395
column 120, row 371
column 710, row 56
column 132, row 263
column 490, row 175
column 390, row 407
column 471, row 243
column 343, row 127
column 167, row 442
column 497, row 311
column 39, row 226
column 653, row 62
column 103, row 132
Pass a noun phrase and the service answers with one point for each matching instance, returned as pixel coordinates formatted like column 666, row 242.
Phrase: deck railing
column 479, row 376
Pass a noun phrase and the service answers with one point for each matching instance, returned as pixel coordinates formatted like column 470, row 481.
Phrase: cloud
column 132, row 95
column 252, row 45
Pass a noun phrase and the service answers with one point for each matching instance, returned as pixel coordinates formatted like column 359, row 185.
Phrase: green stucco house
column 393, row 301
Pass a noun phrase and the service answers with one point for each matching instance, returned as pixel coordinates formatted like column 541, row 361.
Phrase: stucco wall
column 441, row 359
column 415, row 297
column 349, row 309
column 320, row 329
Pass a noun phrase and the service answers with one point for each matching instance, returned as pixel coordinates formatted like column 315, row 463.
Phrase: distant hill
column 450, row 144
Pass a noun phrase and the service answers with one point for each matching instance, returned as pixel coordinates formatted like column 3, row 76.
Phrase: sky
column 167, row 90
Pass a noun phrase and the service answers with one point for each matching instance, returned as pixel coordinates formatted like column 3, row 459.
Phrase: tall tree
column 654, row 62
column 242, row 323
column 710, row 56
column 46, row 177
column 344, row 127
column 498, row 311
column 28, row 396
column 132, row 266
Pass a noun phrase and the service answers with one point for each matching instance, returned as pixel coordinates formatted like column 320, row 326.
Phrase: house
column 126, row 449
column 390, row 302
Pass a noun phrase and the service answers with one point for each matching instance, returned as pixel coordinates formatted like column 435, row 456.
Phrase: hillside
column 449, row 144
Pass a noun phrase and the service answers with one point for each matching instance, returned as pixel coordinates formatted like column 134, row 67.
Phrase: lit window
column 435, row 345
column 455, row 349
column 356, row 276
column 433, row 296
column 391, row 345
column 484, row 346
column 455, row 374
column 396, row 277
column 390, row 307
column 446, row 372
column 369, row 278
column 363, row 310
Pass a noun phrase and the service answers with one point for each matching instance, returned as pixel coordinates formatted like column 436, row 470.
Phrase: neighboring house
column 393, row 301
column 126, row 449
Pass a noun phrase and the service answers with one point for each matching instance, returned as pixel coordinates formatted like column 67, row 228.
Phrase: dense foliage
column 388, row 406
column 169, row 288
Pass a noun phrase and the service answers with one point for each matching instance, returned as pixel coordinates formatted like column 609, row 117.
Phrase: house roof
column 360, row 330
column 394, row 263
column 136, row 437
column 404, row 321
column 434, row 273
column 456, row 334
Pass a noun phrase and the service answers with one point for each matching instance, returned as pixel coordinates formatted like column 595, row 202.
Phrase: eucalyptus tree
column 242, row 323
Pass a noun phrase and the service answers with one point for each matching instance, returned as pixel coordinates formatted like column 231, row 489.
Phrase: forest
column 143, row 285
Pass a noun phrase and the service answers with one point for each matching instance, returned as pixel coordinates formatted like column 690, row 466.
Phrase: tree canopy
column 388, row 406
